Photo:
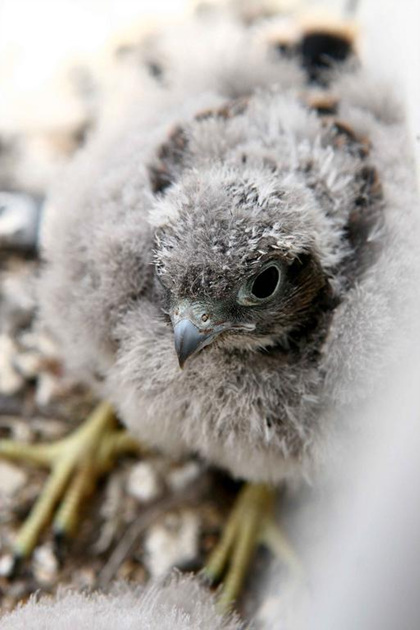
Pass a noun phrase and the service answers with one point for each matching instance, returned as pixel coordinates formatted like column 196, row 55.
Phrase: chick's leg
column 76, row 462
column 251, row 522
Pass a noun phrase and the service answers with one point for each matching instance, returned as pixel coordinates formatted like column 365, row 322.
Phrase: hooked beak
column 189, row 339
column 195, row 328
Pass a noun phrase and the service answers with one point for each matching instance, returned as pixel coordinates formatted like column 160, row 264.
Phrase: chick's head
column 236, row 255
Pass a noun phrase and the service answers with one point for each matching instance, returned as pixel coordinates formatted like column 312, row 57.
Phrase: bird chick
column 226, row 234
column 240, row 237
column 251, row 222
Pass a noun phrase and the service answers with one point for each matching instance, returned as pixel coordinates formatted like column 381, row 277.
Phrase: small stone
column 45, row 564
column 17, row 299
column 143, row 482
column 6, row 565
column 172, row 542
column 12, row 479
column 11, row 381
column 19, row 220
column 27, row 364
column 48, row 388
column 181, row 477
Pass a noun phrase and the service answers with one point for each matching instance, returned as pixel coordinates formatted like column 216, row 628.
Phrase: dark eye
column 261, row 288
column 266, row 283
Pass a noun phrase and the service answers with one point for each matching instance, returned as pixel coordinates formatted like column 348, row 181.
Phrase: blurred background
column 59, row 58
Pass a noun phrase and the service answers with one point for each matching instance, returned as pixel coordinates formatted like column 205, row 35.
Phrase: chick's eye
column 266, row 283
column 261, row 288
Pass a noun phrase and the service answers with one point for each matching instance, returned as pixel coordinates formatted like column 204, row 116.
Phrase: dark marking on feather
column 324, row 103
column 321, row 49
column 233, row 108
column 170, row 157
column 346, row 137
column 318, row 49
column 365, row 218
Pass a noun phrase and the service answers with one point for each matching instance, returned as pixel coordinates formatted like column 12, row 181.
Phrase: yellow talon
column 250, row 523
column 87, row 453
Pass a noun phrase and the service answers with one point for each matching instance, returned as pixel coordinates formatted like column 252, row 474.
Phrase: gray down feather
column 178, row 603
column 184, row 196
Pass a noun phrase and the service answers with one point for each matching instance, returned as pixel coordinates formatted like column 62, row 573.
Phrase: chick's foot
column 250, row 523
column 76, row 463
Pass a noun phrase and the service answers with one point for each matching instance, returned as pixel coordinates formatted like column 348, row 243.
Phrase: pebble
column 172, row 542
column 143, row 482
column 27, row 364
column 17, row 300
column 19, row 220
column 45, row 564
column 48, row 388
column 181, row 477
column 6, row 565
column 12, row 479
column 11, row 382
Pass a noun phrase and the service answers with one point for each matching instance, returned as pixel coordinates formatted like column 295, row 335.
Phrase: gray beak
column 189, row 340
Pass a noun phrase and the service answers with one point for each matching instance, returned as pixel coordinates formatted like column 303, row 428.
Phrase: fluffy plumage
column 178, row 603
column 231, row 160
